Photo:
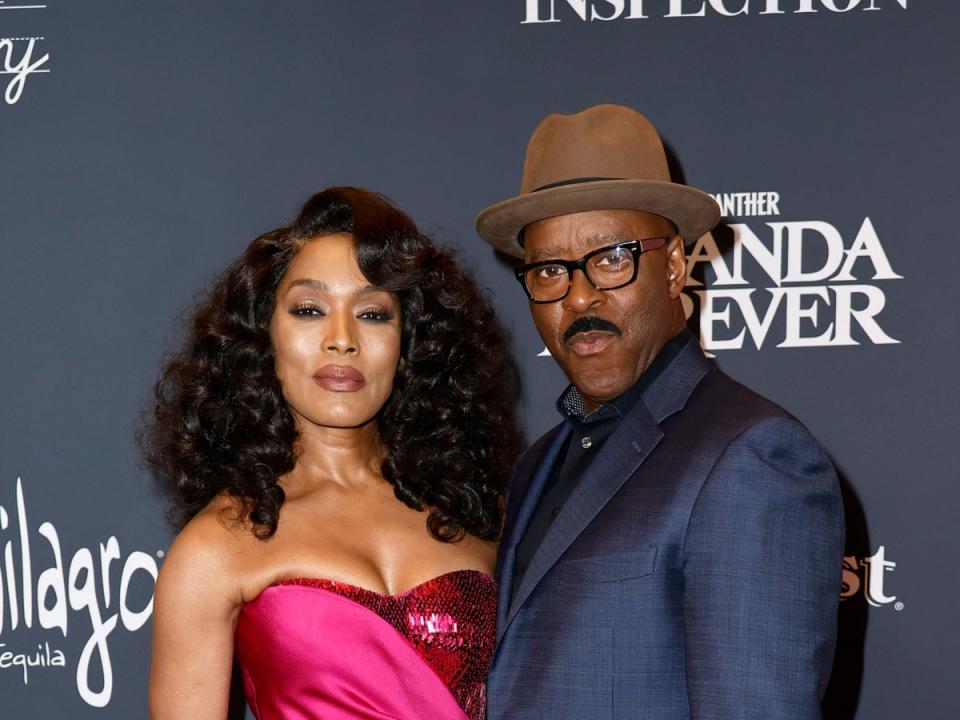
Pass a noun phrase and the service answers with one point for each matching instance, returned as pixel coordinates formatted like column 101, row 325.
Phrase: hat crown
column 603, row 141
column 607, row 157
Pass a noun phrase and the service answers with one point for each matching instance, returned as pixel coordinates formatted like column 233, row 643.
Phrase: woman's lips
column 339, row 378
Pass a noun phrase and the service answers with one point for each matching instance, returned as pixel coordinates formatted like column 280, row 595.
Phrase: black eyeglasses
column 606, row 268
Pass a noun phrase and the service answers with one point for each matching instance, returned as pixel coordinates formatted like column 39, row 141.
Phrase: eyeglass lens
column 605, row 271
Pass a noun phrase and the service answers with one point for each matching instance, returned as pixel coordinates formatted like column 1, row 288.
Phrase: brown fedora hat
column 607, row 157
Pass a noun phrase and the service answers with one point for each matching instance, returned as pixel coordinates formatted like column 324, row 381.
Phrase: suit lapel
column 532, row 475
column 634, row 439
column 672, row 389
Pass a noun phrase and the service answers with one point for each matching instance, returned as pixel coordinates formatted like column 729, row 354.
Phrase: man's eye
column 613, row 259
column 551, row 272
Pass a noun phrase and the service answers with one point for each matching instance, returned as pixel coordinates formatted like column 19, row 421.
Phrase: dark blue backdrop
column 142, row 145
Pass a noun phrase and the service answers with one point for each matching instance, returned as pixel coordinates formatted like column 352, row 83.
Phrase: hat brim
column 691, row 210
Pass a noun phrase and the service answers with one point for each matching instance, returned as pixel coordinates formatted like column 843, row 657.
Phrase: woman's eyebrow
column 323, row 287
column 309, row 282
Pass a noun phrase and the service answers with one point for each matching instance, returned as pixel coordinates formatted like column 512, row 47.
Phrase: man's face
column 605, row 339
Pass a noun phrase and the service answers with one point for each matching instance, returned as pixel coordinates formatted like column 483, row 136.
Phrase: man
column 673, row 547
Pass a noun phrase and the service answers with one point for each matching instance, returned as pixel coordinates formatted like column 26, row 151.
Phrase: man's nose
column 582, row 295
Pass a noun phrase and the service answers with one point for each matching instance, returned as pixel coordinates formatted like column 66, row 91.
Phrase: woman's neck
column 346, row 456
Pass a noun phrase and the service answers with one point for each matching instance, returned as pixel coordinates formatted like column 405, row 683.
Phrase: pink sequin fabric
column 449, row 620
column 307, row 654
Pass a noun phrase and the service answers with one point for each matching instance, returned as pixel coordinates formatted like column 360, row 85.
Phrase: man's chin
column 600, row 384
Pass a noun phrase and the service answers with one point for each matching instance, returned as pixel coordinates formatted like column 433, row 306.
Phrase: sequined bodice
column 321, row 648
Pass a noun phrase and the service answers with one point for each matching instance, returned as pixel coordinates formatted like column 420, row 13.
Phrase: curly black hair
column 219, row 422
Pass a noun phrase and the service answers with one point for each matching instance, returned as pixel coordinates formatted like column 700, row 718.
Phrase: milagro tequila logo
column 64, row 588
column 792, row 284
column 554, row 11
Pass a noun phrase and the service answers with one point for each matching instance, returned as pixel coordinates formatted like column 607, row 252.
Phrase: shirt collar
column 570, row 402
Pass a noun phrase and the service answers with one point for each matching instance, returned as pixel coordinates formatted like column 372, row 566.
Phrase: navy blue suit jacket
column 693, row 573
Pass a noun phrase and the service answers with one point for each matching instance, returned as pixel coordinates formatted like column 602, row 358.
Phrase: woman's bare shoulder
column 209, row 551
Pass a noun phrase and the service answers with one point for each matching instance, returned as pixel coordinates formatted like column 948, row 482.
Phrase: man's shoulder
column 745, row 443
column 718, row 394
column 722, row 409
column 718, row 410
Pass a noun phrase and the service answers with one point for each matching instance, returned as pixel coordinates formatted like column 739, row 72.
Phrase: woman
column 337, row 433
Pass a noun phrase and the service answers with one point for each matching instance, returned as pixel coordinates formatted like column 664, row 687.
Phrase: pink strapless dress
column 313, row 649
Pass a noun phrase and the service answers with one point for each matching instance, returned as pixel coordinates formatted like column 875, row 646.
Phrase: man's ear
column 676, row 267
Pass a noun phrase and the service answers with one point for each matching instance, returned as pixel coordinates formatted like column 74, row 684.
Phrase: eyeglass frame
column 636, row 248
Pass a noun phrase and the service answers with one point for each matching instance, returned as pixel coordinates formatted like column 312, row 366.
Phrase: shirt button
column 586, row 442
column 555, row 512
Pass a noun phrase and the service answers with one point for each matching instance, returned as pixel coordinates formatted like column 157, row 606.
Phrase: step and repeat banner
column 143, row 144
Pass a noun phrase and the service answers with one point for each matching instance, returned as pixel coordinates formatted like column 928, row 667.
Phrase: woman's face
column 336, row 338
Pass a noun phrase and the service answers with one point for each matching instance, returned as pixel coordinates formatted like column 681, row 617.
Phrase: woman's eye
column 376, row 315
column 307, row 311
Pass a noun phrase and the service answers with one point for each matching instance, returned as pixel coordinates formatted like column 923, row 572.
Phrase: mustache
column 589, row 323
